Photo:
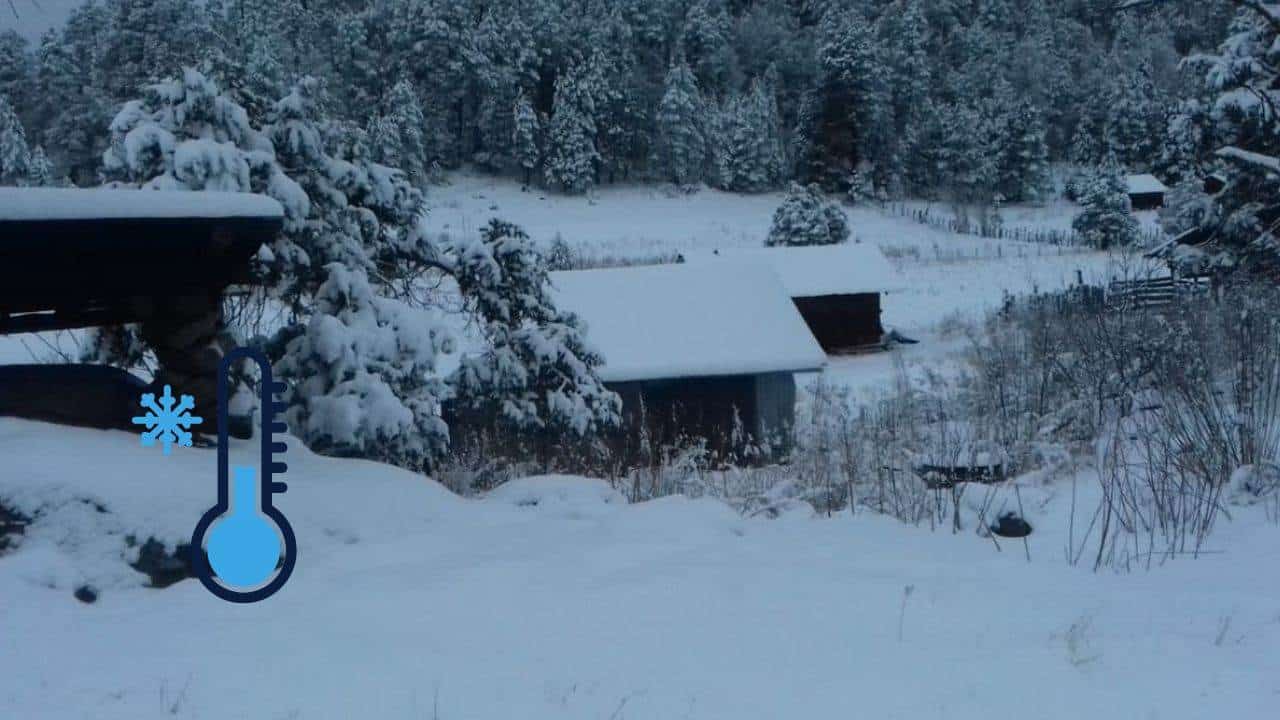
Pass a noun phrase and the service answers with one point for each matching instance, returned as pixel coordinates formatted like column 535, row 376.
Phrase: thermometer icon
column 243, row 549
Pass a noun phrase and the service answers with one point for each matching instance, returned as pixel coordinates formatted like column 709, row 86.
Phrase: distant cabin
column 1146, row 192
column 837, row 288
column 695, row 351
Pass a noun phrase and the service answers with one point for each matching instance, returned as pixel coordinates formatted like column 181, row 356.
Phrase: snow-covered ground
column 552, row 598
column 946, row 277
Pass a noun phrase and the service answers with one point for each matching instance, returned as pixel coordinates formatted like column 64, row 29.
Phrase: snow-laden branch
column 1267, row 11
column 1265, row 162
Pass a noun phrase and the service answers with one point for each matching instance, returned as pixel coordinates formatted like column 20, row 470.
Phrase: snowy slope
column 552, row 599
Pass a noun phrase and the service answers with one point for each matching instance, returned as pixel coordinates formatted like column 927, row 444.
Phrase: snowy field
column 552, row 598
column 946, row 277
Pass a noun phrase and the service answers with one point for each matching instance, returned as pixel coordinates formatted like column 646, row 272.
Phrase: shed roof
column 679, row 321
column 817, row 270
column 36, row 204
column 1144, row 184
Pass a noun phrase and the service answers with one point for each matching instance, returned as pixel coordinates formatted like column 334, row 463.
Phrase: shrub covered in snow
column 806, row 218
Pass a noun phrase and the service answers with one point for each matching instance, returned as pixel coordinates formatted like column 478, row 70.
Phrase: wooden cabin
column 838, row 289
column 695, row 351
column 1146, row 192
column 74, row 258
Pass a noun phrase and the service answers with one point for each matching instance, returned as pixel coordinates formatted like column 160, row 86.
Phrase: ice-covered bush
column 805, row 217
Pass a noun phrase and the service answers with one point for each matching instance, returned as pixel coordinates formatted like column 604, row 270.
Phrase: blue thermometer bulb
column 243, row 547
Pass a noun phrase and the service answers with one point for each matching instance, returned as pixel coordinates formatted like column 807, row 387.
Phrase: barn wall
column 1146, row 201
column 842, row 322
column 689, row 407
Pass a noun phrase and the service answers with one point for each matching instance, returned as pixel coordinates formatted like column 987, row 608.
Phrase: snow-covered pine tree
column 72, row 104
column 1023, row 158
column 805, row 217
column 904, row 36
column 15, row 155
column 680, row 145
column 1243, row 81
column 40, row 171
column 571, row 154
column 1135, row 119
column 537, row 376
column 362, row 374
column 704, row 43
column 749, row 153
column 16, row 73
column 396, row 138
column 1106, row 220
column 848, row 106
column 524, row 136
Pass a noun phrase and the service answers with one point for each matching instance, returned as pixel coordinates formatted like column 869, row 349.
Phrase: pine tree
column 680, row 147
column 16, row 71
column 1106, row 220
column 572, row 156
column 1242, row 79
column 396, row 138
column 359, row 360
column 40, row 171
column 524, row 136
column 362, row 374
column 749, row 148
column 806, row 218
column 538, row 374
column 1023, row 158
column 1135, row 120
column 848, row 103
column 15, row 156
column 704, row 43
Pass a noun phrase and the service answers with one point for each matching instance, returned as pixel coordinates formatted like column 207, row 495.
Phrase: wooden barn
column 1146, row 192
column 837, row 288
column 695, row 351
column 84, row 258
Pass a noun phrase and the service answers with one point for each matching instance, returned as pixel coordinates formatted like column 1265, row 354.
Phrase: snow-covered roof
column 1144, row 184
column 26, row 204
column 673, row 321
column 813, row 271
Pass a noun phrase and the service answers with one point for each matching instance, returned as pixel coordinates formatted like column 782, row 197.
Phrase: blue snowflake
column 167, row 420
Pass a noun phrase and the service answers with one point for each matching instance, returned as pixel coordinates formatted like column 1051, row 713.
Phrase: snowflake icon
column 167, row 420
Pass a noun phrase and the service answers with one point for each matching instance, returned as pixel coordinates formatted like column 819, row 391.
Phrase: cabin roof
column 814, row 271
column 1144, row 184
column 682, row 321
column 54, row 204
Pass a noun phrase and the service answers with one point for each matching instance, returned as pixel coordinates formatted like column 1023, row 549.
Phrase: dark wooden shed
column 696, row 352
column 1146, row 192
column 837, row 289
column 84, row 258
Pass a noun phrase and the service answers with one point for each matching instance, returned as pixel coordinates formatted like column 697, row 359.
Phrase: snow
column 812, row 271
column 32, row 18
column 409, row 602
column 25, row 204
column 673, row 321
column 1144, row 184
